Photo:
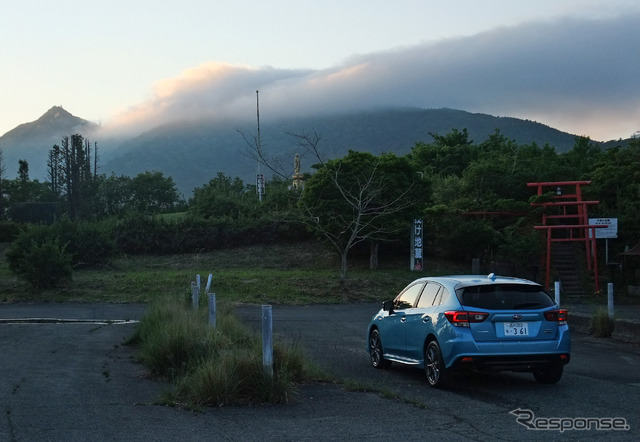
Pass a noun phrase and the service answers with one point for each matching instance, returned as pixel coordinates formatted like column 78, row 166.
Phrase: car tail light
column 559, row 316
column 463, row 319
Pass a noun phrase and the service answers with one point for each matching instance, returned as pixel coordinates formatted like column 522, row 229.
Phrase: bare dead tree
column 53, row 169
column 256, row 152
column 307, row 142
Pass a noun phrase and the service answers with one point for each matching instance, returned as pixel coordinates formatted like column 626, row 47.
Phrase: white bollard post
column 209, row 283
column 610, row 299
column 267, row 340
column 212, row 309
column 557, row 291
column 195, row 295
column 198, row 281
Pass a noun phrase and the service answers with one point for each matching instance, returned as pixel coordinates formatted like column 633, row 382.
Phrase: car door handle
column 404, row 319
column 426, row 319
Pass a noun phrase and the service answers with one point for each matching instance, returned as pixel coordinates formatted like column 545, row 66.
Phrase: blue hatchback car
column 451, row 323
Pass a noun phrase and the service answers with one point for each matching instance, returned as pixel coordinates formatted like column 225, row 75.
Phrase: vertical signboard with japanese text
column 417, row 250
column 260, row 184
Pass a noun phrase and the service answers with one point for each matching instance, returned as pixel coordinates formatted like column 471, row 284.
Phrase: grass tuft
column 601, row 324
column 215, row 366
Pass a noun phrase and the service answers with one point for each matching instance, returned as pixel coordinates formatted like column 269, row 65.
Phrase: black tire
column 375, row 350
column 437, row 374
column 549, row 375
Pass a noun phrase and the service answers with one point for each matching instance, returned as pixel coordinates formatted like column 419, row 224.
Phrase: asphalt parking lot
column 75, row 380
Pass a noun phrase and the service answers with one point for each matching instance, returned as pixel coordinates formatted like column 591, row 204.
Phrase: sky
column 131, row 65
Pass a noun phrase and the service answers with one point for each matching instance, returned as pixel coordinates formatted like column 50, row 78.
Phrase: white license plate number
column 516, row 329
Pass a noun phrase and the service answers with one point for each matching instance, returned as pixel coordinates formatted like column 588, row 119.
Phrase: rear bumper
column 512, row 362
column 507, row 355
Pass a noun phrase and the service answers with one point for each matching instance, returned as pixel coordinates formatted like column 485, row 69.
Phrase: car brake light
column 463, row 319
column 559, row 316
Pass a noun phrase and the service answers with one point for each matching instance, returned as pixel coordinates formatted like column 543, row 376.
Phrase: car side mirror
column 387, row 306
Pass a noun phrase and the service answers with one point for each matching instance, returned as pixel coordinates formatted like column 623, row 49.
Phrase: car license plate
column 516, row 329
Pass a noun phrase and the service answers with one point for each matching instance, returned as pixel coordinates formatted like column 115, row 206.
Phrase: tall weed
column 215, row 366
column 602, row 325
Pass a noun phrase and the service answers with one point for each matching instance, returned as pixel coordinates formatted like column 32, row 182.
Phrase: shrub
column 88, row 243
column 8, row 231
column 40, row 260
column 81, row 243
column 155, row 235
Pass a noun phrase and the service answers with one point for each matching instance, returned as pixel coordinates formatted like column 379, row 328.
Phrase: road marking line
column 66, row 321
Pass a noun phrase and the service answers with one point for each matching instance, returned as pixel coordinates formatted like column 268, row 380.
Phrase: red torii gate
column 578, row 227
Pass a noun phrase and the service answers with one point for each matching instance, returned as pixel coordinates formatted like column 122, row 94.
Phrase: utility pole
column 259, row 176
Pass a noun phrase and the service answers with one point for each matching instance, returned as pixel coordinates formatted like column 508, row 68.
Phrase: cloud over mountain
column 576, row 74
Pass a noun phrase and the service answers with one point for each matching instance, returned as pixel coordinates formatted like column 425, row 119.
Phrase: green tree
column 578, row 162
column 223, row 197
column 23, row 171
column 75, row 176
column 22, row 189
column 280, row 197
column 114, row 195
column 474, row 208
column 616, row 185
column 449, row 154
column 152, row 192
column 359, row 198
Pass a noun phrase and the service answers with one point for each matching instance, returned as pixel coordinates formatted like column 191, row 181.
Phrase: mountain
column 192, row 153
column 32, row 141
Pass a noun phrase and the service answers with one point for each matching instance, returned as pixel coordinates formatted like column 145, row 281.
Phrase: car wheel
column 434, row 368
column 375, row 350
column 549, row 375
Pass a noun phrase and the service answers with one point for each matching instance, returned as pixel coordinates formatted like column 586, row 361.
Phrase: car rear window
column 505, row 297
